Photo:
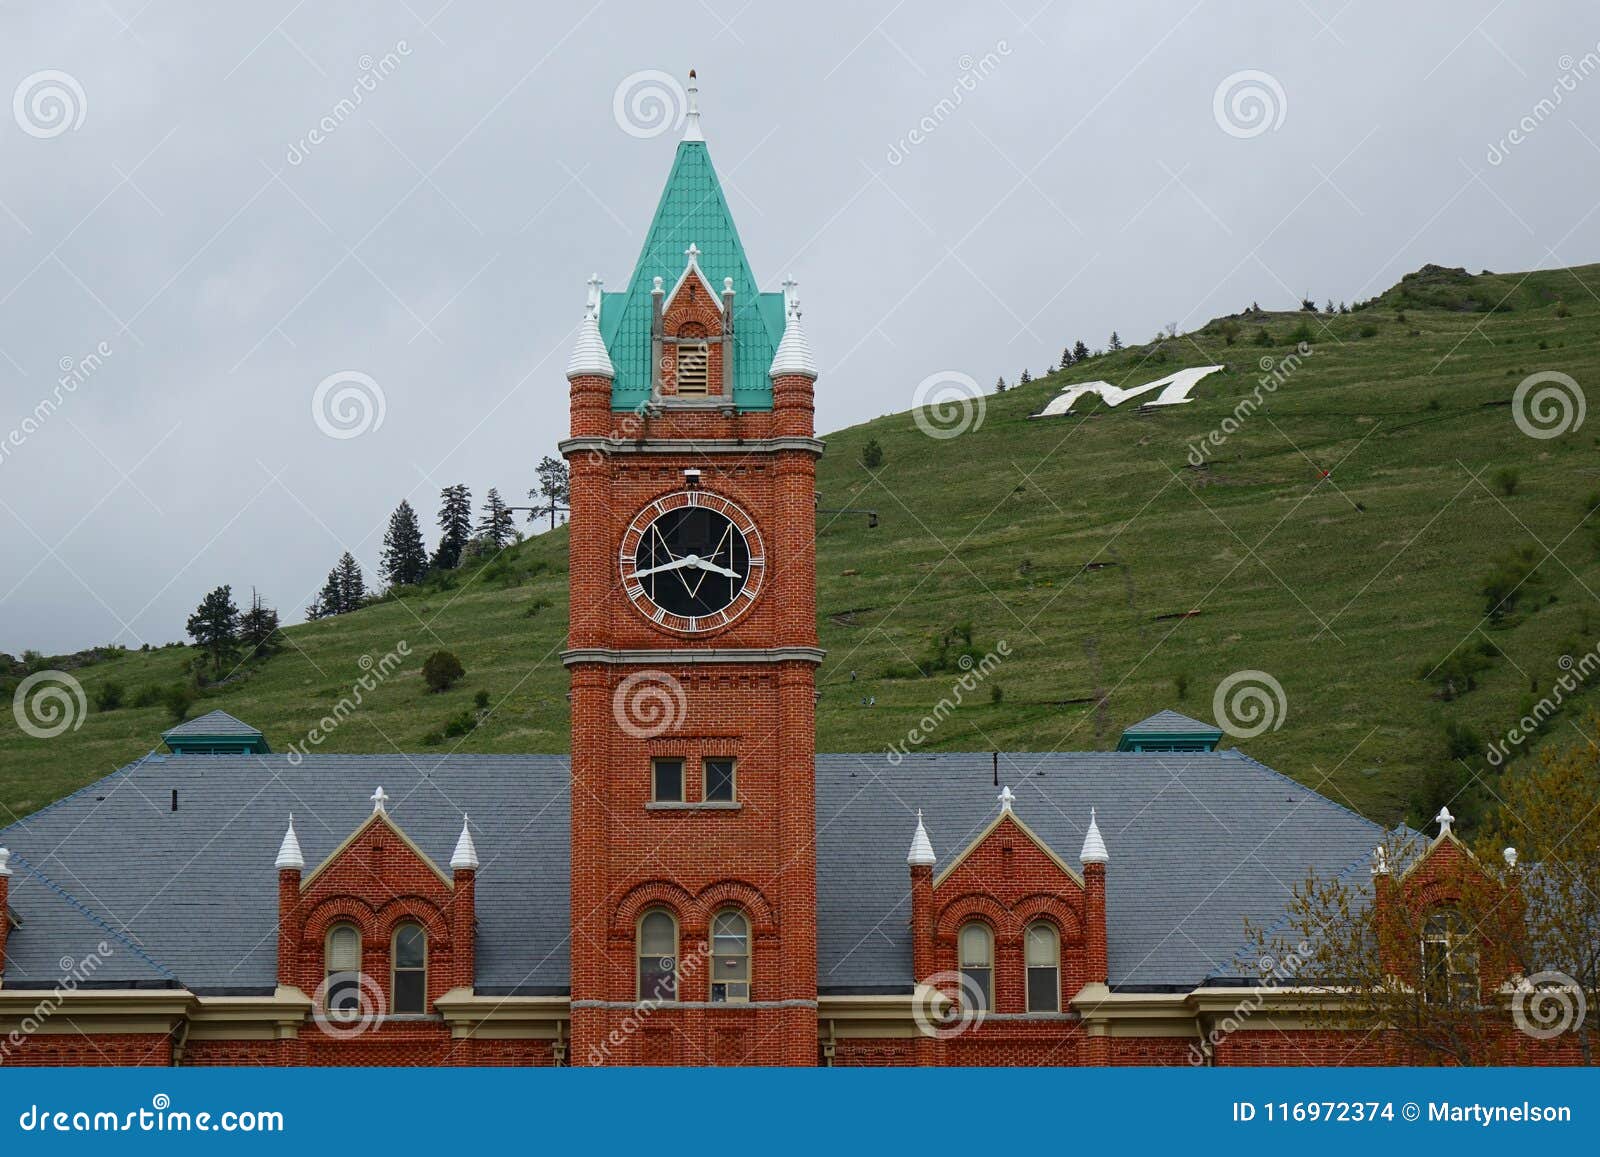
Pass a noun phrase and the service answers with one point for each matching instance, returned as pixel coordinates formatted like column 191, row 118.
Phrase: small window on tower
column 719, row 780
column 693, row 360
column 667, row 781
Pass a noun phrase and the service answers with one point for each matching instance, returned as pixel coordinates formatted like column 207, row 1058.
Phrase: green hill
column 1340, row 541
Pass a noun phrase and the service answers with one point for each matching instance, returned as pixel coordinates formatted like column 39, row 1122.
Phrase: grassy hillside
column 1340, row 541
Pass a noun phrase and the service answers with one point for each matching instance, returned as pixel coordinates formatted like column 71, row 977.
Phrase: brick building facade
column 696, row 885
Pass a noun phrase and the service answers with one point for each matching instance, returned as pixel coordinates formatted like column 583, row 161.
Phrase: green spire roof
column 692, row 210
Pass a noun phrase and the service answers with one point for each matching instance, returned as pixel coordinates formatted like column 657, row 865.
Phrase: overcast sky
column 957, row 187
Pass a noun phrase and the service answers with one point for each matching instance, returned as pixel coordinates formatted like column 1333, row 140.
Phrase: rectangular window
column 667, row 781
column 719, row 780
column 693, row 360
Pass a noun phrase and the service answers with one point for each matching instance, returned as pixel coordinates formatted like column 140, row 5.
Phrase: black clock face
column 692, row 561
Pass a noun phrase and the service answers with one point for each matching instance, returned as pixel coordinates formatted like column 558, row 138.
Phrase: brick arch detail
column 339, row 910
column 1068, row 922
column 685, row 908
column 737, row 894
column 1001, row 920
column 417, row 909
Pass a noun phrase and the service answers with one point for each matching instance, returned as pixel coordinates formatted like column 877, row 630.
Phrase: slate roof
column 1196, row 841
column 692, row 209
column 1168, row 722
column 213, row 724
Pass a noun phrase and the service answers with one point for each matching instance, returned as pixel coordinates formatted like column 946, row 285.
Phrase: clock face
column 692, row 561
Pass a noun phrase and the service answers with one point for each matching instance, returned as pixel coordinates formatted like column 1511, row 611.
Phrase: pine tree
column 258, row 628
column 214, row 626
column 1000, row 385
column 1066, row 356
column 352, row 586
column 405, row 555
column 497, row 524
column 1115, row 343
column 1025, row 378
column 555, row 486
column 455, row 526
column 1080, row 352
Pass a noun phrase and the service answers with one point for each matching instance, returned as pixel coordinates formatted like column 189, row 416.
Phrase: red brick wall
column 144, row 1049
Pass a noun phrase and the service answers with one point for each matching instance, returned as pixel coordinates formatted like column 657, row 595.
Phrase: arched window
column 1449, row 960
column 1042, row 952
column 658, row 956
column 976, row 947
column 341, row 960
column 730, row 957
column 409, row 964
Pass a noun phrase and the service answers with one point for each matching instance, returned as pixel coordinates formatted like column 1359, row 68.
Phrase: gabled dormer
column 1170, row 731
column 215, row 733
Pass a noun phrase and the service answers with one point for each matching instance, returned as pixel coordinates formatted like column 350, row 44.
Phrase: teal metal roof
column 213, row 733
column 692, row 209
column 1170, row 731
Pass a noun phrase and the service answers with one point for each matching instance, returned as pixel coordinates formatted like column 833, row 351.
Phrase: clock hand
column 675, row 564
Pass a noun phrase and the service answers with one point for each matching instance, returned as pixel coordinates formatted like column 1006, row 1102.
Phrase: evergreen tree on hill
column 1115, row 343
column 405, row 555
column 214, row 627
column 455, row 526
column 1080, row 352
column 498, row 525
column 258, row 629
column 555, row 486
column 352, row 586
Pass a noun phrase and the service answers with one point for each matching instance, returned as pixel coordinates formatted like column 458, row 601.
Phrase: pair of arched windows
column 408, row 970
column 659, row 973
column 1041, row 951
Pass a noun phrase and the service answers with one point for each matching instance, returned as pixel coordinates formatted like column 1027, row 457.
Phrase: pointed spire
column 1094, row 847
column 465, row 857
column 794, row 351
column 589, row 357
column 1007, row 797
column 921, row 853
column 1380, row 861
column 1444, row 819
column 691, row 129
column 379, row 799
column 289, row 855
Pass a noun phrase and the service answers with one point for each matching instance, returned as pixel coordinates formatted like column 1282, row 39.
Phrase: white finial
column 691, row 130
column 693, row 254
column 655, row 287
column 1510, row 855
column 1006, row 798
column 465, row 857
column 1444, row 819
column 1094, row 847
column 727, row 285
column 921, row 853
column 589, row 357
column 289, row 855
column 379, row 798
column 5, row 868
column 1380, row 861
column 794, row 351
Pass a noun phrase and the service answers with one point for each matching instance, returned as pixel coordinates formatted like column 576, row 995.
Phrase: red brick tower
column 693, row 650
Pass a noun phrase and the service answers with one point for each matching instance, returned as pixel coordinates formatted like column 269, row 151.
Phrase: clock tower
column 692, row 648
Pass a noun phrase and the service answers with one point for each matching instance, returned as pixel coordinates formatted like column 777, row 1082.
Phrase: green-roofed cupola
column 1170, row 731
column 691, row 300
column 215, row 733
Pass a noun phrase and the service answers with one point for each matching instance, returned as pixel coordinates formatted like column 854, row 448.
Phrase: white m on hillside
column 1174, row 392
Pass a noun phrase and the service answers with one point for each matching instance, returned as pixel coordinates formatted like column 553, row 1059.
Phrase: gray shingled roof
column 1167, row 722
column 1197, row 840
column 213, row 723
